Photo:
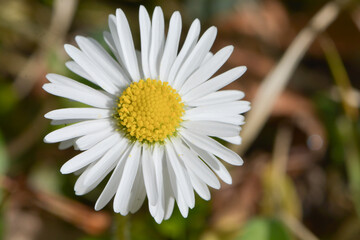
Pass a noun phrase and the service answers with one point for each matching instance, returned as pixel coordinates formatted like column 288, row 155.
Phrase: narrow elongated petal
column 193, row 163
column 157, row 42
column 89, row 156
column 212, row 162
column 234, row 140
column 199, row 186
column 66, row 144
column 157, row 155
column 89, row 140
column 145, row 34
column 138, row 192
column 95, row 99
column 101, row 77
column 212, row 128
column 127, row 45
column 181, row 175
column 207, row 57
column 113, row 183
column 122, row 197
column 149, row 175
column 77, row 130
column 217, row 98
column 75, row 68
column 78, row 113
column 114, row 41
column 212, row 146
column 195, row 57
column 214, row 84
column 190, row 41
column 205, row 71
column 236, row 119
column 106, row 162
column 171, row 46
column 224, row 109
column 103, row 60
column 176, row 189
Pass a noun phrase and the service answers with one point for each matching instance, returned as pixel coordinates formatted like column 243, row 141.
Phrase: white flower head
column 152, row 120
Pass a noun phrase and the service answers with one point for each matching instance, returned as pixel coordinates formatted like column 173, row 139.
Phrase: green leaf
column 8, row 98
column 264, row 229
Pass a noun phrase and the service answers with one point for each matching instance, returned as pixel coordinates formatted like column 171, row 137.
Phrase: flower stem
column 122, row 227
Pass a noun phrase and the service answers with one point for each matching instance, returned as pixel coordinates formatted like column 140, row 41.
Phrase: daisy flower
column 152, row 118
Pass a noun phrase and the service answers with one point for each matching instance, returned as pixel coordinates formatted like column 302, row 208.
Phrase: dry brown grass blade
column 277, row 79
column 74, row 212
column 63, row 13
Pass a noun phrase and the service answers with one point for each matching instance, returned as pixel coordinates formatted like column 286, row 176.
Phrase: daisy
column 152, row 119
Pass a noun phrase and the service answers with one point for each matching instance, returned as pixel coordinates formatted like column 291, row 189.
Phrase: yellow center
column 149, row 111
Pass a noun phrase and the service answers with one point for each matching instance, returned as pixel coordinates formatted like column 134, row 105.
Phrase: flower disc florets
column 149, row 111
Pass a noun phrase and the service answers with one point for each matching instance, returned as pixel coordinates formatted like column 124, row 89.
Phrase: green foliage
column 264, row 229
column 8, row 98
column 3, row 168
column 3, row 161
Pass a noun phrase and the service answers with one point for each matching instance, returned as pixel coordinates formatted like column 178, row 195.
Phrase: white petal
column 93, row 98
column 78, row 113
column 113, row 183
column 199, row 186
column 214, row 84
column 89, row 156
column 182, row 177
column 175, row 184
column 212, row 162
column 217, row 98
column 116, row 41
column 236, row 119
column 145, row 34
column 89, row 140
column 193, row 163
column 83, row 188
column 127, row 45
column 79, row 187
column 97, row 100
column 169, row 208
column 171, row 46
column 188, row 45
column 182, row 205
column 195, row 57
column 157, row 156
column 149, row 175
column 75, row 68
column 157, row 42
column 110, row 42
column 122, row 196
column 138, row 192
column 168, row 191
column 66, row 121
column 103, row 60
column 234, row 140
column 224, row 109
column 205, row 71
column 96, row 73
column 208, row 144
column 66, row 144
column 106, row 162
column 138, row 57
column 207, row 57
column 69, row 88
column 77, row 130
column 211, row 128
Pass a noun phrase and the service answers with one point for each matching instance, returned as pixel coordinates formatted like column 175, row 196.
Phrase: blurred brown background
column 301, row 177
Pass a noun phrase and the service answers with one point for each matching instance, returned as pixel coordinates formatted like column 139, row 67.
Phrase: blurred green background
column 301, row 177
